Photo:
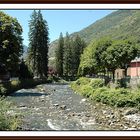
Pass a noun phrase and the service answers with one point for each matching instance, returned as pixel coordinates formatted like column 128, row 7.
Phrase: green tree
column 59, row 56
column 78, row 46
column 38, row 46
column 67, row 56
column 11, row 47
column 101, row 47
column 121, row 53
column 88, row 63
column 24, row 72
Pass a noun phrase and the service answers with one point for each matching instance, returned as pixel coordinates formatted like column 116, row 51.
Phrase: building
column 120, row 73
column 133, row 70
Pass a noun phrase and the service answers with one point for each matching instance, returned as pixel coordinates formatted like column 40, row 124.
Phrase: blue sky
column 59, row 20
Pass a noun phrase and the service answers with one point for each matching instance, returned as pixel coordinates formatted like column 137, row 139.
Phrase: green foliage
column 24, row 72
column 82, row 81
column 87, row 61
column 120, row 24
column 59, row 56
column 3, row 89
column 8, row 121
column 121, row 53
column 78, row 46
column 95, row 83
column 38, row 45
column 123, row 83
column 114, row 97
column 108, row 55
column 11, row 47
column 14, row 85
column 67, row 63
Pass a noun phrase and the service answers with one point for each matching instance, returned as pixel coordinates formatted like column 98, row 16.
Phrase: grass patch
column 8, row 121
column 96, row 90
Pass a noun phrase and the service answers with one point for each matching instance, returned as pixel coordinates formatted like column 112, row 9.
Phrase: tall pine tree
column 77, row 49
column 38, row 46
column 67, row 56
column 59, row 56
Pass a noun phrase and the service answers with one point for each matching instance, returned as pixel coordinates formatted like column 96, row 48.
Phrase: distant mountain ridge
column 117, row 25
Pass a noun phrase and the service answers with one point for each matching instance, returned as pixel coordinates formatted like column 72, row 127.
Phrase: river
column 57, row 107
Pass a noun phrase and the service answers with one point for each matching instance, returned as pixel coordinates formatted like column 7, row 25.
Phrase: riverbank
column 14, row 85
column 8, row 119
column 96, row 90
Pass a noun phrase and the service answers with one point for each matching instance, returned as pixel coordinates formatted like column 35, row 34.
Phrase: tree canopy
column 38, row 45
column 108, row 55
column 11, row 47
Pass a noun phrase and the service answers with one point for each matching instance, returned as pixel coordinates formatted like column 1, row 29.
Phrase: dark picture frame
column 69, row 1
column 69, row 137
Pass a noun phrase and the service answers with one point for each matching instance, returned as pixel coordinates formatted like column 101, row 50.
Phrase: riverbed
column 55, row 106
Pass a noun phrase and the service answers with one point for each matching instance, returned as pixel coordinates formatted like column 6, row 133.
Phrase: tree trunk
column 113, row 74
column 125, row 72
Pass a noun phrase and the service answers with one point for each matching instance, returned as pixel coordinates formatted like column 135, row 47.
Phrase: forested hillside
column 119, row 24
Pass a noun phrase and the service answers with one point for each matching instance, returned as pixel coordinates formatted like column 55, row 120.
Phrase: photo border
column 69, row 1
column 69, row 137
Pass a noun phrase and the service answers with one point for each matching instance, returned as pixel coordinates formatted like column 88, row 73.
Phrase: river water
column 57, row 107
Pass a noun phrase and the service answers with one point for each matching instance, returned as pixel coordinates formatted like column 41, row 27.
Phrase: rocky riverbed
column 57, row 107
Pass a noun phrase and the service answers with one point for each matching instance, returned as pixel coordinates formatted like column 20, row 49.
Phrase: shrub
column 96, row 83
column 7, row 121
column 83, row 81
column 86, row 90
column 95, row 90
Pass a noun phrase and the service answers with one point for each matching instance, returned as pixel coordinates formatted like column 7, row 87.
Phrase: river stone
column 83, row 100
column 22, row 105
column 132, row 129
column 131, row 111
column 71, row 114
column 43, row 90
column 63, row 107
column 133, row 117
column 87, row 115
column 55, row 105
column 42, row 100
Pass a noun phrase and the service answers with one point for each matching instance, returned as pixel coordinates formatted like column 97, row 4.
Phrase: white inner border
column 69, row 6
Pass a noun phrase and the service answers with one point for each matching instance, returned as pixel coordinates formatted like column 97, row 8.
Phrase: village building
column 133, row 70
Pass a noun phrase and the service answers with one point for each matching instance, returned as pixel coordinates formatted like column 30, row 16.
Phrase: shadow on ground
column 27, row 94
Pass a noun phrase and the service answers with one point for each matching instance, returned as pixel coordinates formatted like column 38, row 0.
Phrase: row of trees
column 106, row 55
column 11, row 46
column 68, row 54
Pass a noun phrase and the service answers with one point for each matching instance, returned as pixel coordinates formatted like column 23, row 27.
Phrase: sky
column 59, row 20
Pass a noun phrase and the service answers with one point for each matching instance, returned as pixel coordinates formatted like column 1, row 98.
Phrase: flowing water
column 57, row 107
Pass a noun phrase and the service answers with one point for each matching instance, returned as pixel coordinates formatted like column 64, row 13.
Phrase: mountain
column 117, row 25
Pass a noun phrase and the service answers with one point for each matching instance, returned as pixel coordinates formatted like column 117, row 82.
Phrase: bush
column 83, row 81
column 86, row 90
column 7, row 121
column 95, row 90
column 95, row 83
column 123, row 83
